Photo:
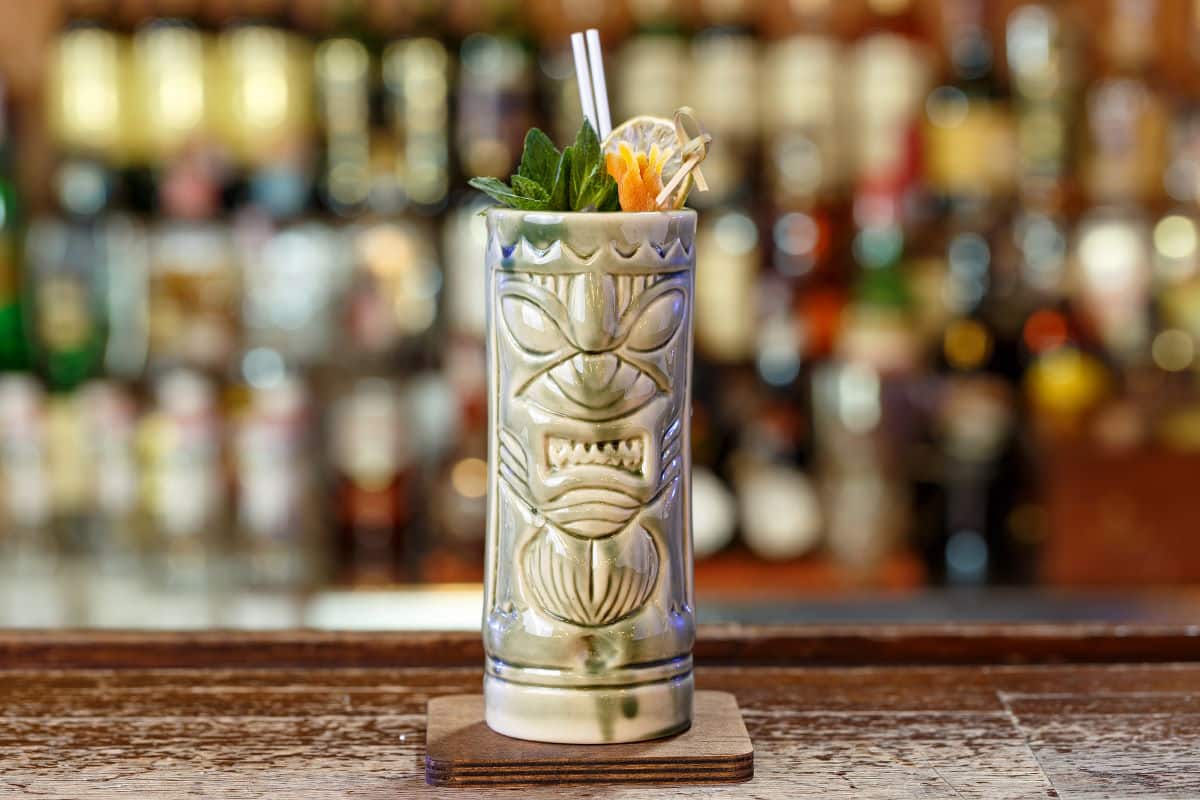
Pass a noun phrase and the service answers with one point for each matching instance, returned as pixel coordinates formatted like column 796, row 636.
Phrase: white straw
column 583, row 79
column 596, row 58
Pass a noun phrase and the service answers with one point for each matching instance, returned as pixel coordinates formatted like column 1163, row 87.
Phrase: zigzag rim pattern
column 525, row 255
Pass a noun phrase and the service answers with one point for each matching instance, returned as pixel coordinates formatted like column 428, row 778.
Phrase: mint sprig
column 546, row 180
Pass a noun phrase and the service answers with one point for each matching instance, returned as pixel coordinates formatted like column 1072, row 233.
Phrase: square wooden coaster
column 461, row 750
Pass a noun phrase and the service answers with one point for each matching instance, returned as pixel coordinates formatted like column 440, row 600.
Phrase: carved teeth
column 625, row 454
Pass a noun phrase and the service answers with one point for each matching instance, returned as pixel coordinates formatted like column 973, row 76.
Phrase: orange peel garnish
column 638, row 175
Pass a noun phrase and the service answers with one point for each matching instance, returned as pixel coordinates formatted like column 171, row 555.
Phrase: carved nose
column 592, row 305
column 595, row 370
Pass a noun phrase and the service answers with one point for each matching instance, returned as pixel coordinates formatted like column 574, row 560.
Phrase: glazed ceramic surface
column 588, row 622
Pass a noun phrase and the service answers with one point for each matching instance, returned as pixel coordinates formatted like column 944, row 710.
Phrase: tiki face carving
column 589, row 363
column 590, row 429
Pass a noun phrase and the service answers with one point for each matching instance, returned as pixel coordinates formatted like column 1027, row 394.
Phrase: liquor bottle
column 171, row 95
column 264, row 111
column 278, row 524
column 295, row 273
column 1112, row 273
column 805, row 173
column 889, row 71
column 126, row 247
column 89, row 108
column 109, row 414
column 344, row 71
column 1043, row 62
column 66, row 269
column 193, row 295
column 723, row 89
column 1043, row 59
column 714, row 509
column 372, row 482
column 1126, row 111
column 87, row 103
column 888, row 67
column 494, row 103
column 864, row 493
column 652, row 66
column 780, row 512
column 464, row 239
column 459, row 501
column 392, row 300
column 804, row 154
column 974, row 431
column 13, row 347
column 862, row 394
column 1182, row 178
column 24, row 482
column 727, row 266
column 968, row 142
column 179, row 444
column 67, row 469
column 417, row 77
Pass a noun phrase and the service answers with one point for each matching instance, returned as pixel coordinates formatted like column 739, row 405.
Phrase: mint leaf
column 592, row 188
column 496, row 189
column 606, row 198
column 585, row 156
column 501, row 193
column 530, row 189
column 598, row 191
column 587, row 149
column 539, row 159
column 574, row 180
column 559, row 189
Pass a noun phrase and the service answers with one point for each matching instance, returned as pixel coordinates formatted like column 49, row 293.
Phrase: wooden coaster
column 461, row 750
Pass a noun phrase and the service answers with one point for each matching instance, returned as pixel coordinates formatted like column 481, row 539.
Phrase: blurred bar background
column 947, row 308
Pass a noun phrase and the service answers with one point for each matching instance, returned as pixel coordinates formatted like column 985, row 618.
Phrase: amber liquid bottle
column 372, row 476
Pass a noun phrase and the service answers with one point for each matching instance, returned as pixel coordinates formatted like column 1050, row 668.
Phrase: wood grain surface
column 878, row 727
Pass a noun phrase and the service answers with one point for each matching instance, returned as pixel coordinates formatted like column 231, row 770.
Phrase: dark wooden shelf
column 737, row 574
column 865, row 712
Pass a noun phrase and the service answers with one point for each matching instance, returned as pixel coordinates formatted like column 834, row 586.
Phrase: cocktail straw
column 599, row 85
column 584, row 80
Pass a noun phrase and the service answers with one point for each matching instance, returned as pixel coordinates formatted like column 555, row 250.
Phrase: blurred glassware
column 278, row 516
column 264, row 90
column 714, row 513
column 392, row 301
column 170, row 99
column 372, row 482
column 417, row 74
column 343, row 80
column 652, row 65
column 494, row 104
column 728, row 254
column 87, row 92
column 66, row 278
column 294, row 277
column 193, row 298
column 722, row 88
column 23, row 460
column 183, row 491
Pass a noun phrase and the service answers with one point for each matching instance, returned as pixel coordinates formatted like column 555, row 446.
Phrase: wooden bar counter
column 976, row 711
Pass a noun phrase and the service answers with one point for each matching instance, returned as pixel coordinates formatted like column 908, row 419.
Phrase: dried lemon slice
column 641, row 133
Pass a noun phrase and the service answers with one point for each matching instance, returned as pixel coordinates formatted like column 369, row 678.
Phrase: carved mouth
column 627, row 455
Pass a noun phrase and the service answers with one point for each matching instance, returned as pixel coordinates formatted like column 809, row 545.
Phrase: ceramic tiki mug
column 588, row 622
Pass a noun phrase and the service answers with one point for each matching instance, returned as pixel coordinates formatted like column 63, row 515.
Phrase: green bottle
column 66, row 267
column 13, row 351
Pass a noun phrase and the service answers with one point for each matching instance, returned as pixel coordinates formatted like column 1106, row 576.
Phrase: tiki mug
column 588, row 590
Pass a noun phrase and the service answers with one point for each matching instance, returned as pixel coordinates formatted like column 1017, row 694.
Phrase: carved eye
column 657, row 323
column 532, row 327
